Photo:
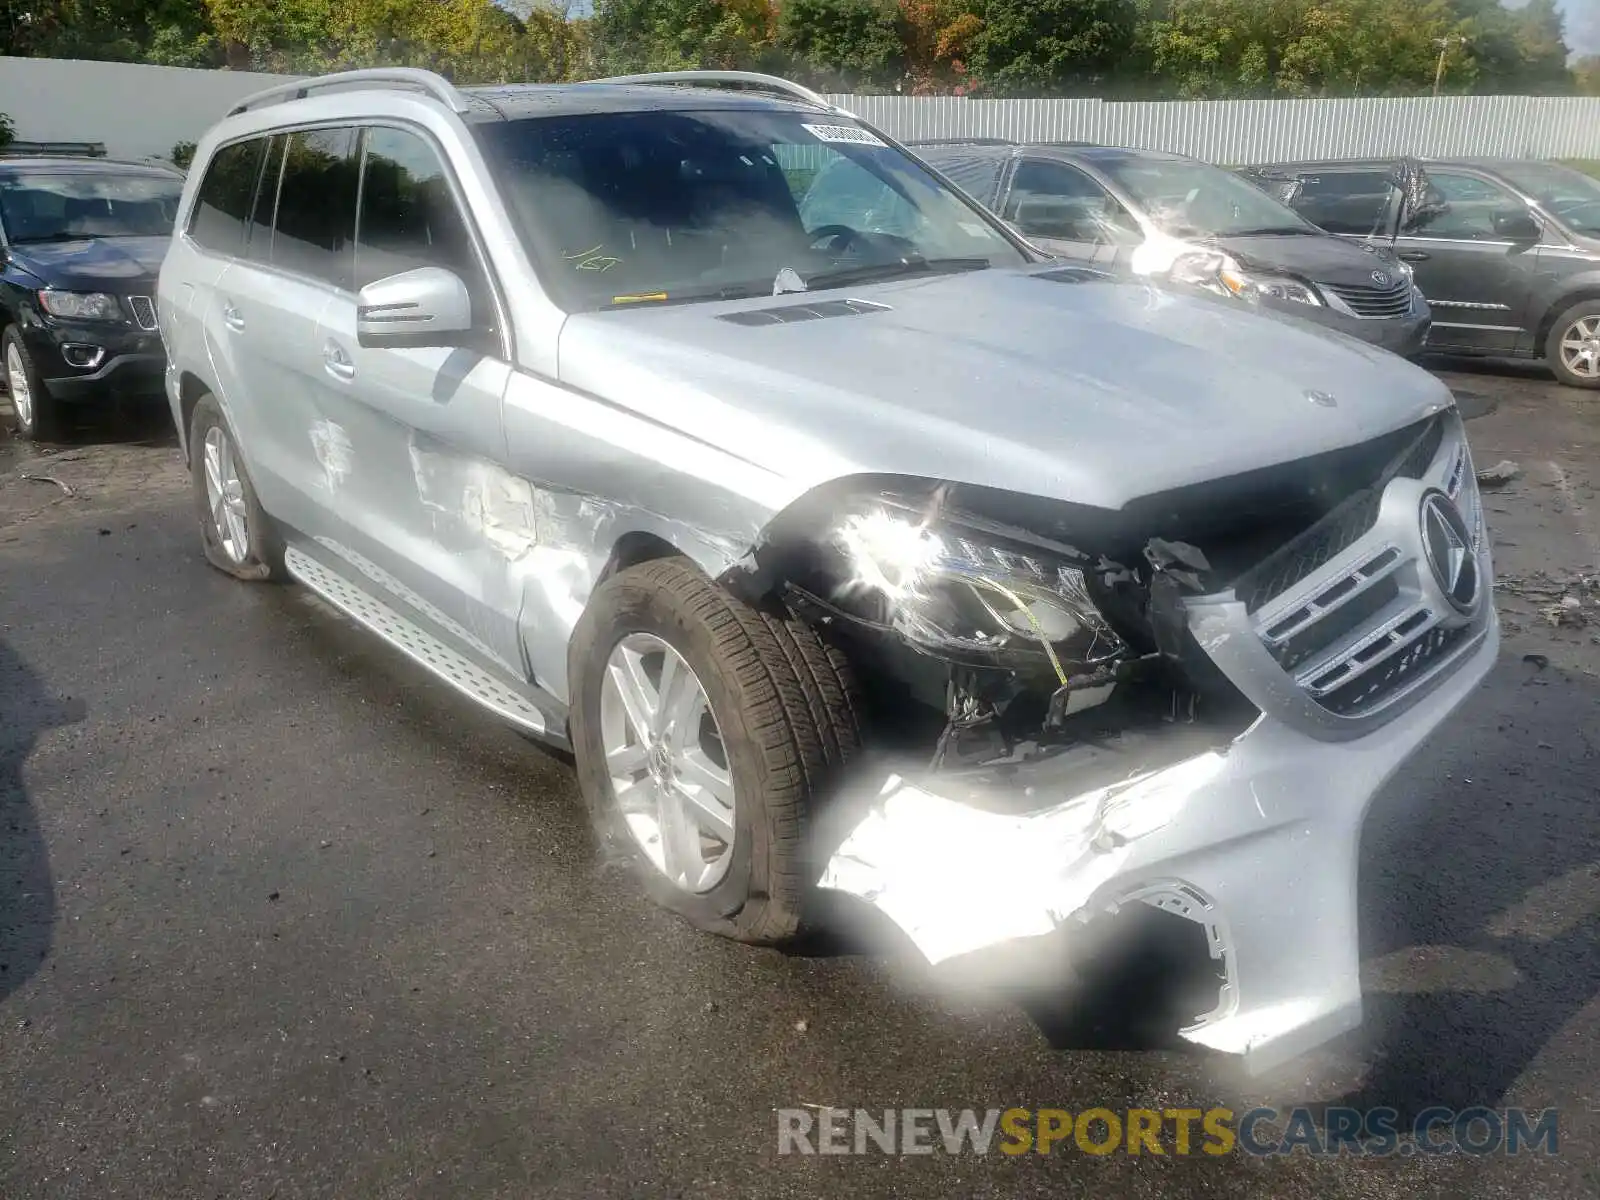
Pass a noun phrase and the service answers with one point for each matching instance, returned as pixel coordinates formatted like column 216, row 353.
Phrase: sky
column 1583, row 23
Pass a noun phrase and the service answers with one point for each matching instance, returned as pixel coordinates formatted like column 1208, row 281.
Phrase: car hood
column 94, row 264
column 1057, row 383
column 1320, row 257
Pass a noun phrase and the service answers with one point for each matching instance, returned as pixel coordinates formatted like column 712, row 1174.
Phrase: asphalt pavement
column 280, row 916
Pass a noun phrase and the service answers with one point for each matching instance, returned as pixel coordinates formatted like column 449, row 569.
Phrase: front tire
column 1573, row 347
column 37, row 416
column 237, row 536
column 705, row 734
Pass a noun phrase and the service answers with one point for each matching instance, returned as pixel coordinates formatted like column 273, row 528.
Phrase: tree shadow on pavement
column 27, row 897
column 1480, row 897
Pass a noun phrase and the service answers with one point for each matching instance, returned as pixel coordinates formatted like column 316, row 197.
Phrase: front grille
column 144, row 311
column 1365, row 692
column 1340, row 529
column 1373, row 302
column 1343, row 609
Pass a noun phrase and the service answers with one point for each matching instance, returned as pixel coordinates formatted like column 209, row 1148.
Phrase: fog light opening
column 84, row 357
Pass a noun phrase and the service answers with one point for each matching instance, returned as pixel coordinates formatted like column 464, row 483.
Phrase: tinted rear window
column 223, row 205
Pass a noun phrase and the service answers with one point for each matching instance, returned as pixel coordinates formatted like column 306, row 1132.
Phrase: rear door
column 1479, row 283
column 298, row 256
column 410, row 440
column 1067, row 212
column 202, row 255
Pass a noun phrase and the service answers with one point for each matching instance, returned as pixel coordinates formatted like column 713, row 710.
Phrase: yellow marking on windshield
column 640, row 298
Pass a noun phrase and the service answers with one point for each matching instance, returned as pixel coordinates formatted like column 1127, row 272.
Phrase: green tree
column 1542, row 48
column 1586, row 75
column 1053, row 47
column 939, row 35
column 8, row 131
column 671, row 35
column 845, row 44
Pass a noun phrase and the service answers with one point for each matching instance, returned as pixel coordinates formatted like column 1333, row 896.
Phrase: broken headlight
column 970, row 595
column 1219, row 273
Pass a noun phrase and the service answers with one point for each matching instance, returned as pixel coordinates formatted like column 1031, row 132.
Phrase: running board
column 494, row 692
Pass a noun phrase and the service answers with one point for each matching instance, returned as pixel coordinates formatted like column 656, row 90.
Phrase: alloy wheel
column 1580, row 347
column 667, row 763
column 225, row 495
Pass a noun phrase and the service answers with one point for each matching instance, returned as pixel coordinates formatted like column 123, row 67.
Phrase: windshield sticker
column 852, row 134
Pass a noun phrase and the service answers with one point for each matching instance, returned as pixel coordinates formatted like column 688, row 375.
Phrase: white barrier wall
column 137, row 111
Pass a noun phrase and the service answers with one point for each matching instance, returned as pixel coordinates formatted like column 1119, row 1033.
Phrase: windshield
column 667, row 206
column 66, row 206
column 1194, row 199
column 1562, row 192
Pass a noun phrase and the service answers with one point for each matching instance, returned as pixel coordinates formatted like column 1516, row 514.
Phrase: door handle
column 1414, row 256
column 337, row 362
column 232, row 317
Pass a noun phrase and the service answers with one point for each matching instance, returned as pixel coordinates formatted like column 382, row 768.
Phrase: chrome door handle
column 1414, row 256
column 232, row 317
column 337, row 362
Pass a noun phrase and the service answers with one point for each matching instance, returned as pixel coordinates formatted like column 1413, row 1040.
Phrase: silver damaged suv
column 849, row 542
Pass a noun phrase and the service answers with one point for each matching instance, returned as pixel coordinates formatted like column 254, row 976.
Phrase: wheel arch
column 190, row 388
column 1547, row 323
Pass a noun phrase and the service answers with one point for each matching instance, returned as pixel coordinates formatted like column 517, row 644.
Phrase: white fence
column 1245, row 131
column 140, row 111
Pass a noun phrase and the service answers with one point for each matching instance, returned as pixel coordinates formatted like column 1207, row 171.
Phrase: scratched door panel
column 411, row 451
column 410, row 440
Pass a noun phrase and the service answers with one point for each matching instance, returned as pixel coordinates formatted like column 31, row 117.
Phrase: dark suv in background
column 1188, row 223
column 81, row 242
column 1507, row 250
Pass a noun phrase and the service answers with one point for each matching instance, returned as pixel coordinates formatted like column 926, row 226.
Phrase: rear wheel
column 235, row 533
column 705, row 733
column 1573, row 347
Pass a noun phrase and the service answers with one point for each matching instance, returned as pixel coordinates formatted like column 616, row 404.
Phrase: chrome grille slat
column 1345, row 664
column 1365, row 574
column 1373, row 302
column 144, row 311
column 1344, row 527
column 1423, row 658
column 1349, row 611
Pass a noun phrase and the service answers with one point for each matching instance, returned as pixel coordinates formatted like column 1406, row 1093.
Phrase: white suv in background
column 874, row 551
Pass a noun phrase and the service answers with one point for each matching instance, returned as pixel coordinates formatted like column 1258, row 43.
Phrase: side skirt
column 512, row 701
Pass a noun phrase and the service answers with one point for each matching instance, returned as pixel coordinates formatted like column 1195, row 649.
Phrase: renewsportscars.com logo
column 1261, row 1132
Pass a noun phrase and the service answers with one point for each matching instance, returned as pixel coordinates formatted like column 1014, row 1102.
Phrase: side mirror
column 1517, row 225
column 425, row 307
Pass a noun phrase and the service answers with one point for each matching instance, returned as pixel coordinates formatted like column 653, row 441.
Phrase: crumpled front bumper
column 1257, row 841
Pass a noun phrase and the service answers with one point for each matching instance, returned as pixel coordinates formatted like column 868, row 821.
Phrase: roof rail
column 749, row 80
column 54, row 149
column 963, row 141
column 394, row 77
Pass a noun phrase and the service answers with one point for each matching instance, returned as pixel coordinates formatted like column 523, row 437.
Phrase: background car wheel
column 238, row 537
column 36, row 414
column 705, row 733
column 1573, row 347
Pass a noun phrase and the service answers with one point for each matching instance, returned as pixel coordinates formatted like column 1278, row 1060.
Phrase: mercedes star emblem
column 1448, row 544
